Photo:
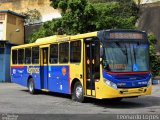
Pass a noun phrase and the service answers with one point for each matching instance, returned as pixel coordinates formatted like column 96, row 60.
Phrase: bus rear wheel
column 77, row 94
column 31, row 88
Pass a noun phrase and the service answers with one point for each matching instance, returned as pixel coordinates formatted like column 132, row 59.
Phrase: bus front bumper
column 104, row 91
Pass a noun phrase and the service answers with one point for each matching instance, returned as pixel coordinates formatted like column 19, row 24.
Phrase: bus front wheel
column 77, row 94
column 31, row 88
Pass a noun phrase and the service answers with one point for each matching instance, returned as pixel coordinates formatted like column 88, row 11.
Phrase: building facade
column 11, row 33
column 43, row 6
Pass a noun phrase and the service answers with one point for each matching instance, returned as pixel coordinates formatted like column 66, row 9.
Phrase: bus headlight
column 149, row 82
column 111, row 84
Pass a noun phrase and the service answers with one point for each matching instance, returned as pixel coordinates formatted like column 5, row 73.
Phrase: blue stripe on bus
column 58, row 77
column 128, row 81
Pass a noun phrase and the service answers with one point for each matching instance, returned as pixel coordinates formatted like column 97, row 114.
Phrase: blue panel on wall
column 5, row 63
column 1, row 68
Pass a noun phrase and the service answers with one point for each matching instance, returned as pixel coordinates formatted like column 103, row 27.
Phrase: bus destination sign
column 124, row 35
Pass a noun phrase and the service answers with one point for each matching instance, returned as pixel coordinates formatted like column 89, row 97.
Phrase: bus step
column 45, row 90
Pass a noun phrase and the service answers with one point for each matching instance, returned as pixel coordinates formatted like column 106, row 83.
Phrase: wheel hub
column 79, row 91
column 31, row 87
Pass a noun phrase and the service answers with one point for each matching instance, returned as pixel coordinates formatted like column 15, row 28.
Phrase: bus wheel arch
column 77, row 91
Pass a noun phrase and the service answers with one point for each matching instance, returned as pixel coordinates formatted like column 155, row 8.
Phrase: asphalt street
column 16, row 99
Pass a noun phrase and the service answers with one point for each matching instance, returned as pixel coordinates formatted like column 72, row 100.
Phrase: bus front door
column 44, row 68
column 92, row 65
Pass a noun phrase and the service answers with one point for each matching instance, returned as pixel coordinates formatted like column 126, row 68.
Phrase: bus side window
column 75, row 51
column 28, row 56
column 63, row 52
column 35, row 55
column 14, row 56
column 21, row 56
column 54, row 53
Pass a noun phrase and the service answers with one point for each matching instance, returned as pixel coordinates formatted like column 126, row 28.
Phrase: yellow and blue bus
column 102, row 64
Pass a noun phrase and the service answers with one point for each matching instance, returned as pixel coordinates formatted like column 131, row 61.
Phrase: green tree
column 81, row 16
column 154, row 59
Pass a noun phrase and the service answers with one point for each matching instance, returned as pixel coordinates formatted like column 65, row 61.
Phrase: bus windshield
column 125, row 57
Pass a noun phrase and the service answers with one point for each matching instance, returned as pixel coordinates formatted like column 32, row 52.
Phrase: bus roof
column 56, row 38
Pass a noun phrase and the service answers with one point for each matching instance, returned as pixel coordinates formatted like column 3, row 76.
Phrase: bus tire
column 77, row 94
column 31, row 88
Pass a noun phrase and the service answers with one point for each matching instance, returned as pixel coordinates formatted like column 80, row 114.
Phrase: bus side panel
column 18, row 75
column 33, row 71
column 58, row 80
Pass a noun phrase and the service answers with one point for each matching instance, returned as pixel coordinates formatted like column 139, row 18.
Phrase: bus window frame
column 80, row 51
column 18, row 56
column 49, row 54
column 68, row 52
column 38, row 55
column 25, row 56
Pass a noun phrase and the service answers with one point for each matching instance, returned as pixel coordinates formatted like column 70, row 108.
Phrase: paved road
column 16, row 99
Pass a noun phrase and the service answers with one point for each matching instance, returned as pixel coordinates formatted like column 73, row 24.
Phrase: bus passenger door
column 44, row 68
column 92, row 65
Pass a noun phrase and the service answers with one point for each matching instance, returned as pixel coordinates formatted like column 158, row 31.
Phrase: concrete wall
column 4, row 64
column 15, row 37
column 150, row 21
column 30, row 28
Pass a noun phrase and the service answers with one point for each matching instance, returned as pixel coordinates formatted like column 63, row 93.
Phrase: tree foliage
column 81, row 16
column 154, row 59
column 32, row 15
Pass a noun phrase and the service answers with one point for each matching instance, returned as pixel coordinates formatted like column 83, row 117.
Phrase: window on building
column 75, row 51
column 1, row 31
column 64, row 52
column 21, row 56
column 28, row 58
column 2, row 16
column 35, row 55
column 14, row 56
column 54, row 53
